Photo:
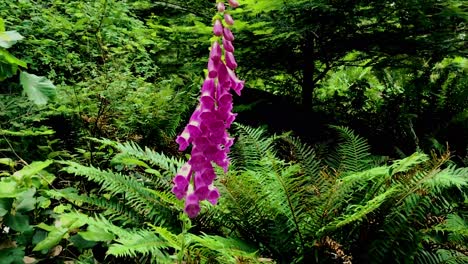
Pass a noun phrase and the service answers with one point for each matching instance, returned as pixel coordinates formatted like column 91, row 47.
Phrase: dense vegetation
column 351, row 139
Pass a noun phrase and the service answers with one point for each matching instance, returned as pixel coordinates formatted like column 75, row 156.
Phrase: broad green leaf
column 12, row 255
column 31, row 170
column 7, row 161
column 8, row 189
column 10, row 59
column 9, row 38
column 39, row 89
column 5, row 206
column 26, row 201
column 52, row 239
column 18, row 222
column 2, row 25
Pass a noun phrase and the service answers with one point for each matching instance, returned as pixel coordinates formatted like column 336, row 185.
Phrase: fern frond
column 456, row 228
column 125, row 242
column 136, row 195
column 112, row 208
column 169, row 165
column 450, row 177
column 352, row 153
column 358, row 212
column 224, row 250
column 407, row 163
column 304, row 156
column 136, row 242
column 252, row 144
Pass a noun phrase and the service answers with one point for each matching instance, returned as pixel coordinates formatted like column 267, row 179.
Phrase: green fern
column 352, row 153
column 135, row 194
column 252, row 144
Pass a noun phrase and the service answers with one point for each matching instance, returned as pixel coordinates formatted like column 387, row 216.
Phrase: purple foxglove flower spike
column 207, row 127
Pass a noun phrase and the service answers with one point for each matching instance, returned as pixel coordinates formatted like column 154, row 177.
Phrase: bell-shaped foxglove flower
column 215, row 52
column 230, row 60
column 227, row 45
column 228, row 34
column 192, row 205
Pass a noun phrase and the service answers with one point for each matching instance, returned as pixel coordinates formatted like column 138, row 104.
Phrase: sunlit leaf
column 9, row 38
column 39, row 89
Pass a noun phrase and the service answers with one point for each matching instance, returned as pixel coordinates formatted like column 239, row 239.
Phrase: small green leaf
column 71, row 221
column 31, row 170
column 2, row 25
column 39, row 89
column 60, row 209
column 46, row 227
column 43, row 202
column 9, row 38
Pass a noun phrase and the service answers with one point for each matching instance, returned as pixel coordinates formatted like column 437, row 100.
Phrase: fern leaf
column 352, row 153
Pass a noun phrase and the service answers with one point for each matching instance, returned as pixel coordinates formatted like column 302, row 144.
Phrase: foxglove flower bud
column 218, row 28
column 221, row 7
column 215, row 53
column 230, row 60
column 233, row 3
column 228, row 19
column 227, row 45
column 228, row 34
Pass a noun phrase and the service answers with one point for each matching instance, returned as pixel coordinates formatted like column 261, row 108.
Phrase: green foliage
column 352, row 153
column 136, row 191
column 292, row 215
column 23, row 203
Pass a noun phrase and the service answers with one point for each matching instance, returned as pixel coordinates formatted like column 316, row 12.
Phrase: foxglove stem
column 207, row 127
